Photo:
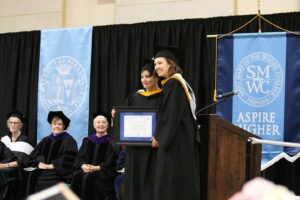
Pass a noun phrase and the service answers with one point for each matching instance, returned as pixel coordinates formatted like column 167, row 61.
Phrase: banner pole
column 211, row 36
column 258, row 14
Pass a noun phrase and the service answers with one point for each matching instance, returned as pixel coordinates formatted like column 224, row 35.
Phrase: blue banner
column 262, row 67
column 64, row 79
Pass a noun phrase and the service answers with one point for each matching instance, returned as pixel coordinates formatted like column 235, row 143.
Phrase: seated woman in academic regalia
column 14, row 147
column 96, row 161
column 52, row 159
column 15, row 139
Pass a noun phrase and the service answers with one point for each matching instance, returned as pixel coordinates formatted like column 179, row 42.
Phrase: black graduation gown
column 140, row 160
column 11, row 179
column 177, row 165
column 60, row 151
column 21, row 138
column 99, row 184
column 8, row 177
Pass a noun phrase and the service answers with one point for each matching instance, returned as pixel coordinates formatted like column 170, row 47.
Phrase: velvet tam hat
column 60, row 115
column 104, row 114
column 16, row 113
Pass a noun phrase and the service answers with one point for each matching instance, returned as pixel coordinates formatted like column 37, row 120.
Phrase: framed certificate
column 135, row 125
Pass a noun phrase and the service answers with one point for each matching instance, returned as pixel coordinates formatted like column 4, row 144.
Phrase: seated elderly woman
column 52, row 159
column 95, row 163
column 14, row 147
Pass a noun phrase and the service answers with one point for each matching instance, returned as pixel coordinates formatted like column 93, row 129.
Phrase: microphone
column 220, row 98
column 227, row 94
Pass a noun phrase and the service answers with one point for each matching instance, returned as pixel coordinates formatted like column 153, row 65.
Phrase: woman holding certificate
column 177, row 169
column 140, row 160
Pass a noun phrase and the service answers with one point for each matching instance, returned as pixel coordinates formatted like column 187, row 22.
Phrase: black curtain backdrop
column 19, row 61
column 117, row 54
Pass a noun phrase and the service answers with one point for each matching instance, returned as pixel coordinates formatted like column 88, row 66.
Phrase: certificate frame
column 135, row 125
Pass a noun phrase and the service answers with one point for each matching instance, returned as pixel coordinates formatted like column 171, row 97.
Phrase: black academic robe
column 6, row 155
column 11, row 179
column 60, row 151
column 140, row 160
column 8, row 177
column 21, row 138
column 177, row 165
column 100, row 152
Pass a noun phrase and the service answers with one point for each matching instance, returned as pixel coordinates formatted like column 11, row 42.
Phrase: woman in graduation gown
column 53, row 158
column 177, row 169
column 140, row 160
column 95, row 164
column 14, row 147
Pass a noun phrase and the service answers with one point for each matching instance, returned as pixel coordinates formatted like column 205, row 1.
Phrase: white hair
column 99, row 116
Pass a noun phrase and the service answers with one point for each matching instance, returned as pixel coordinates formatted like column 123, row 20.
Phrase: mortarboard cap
column 169, row 52
column 148, row 65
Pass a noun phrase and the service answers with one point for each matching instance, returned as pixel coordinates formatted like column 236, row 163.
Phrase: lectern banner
column 64, row 78
column 263, row 69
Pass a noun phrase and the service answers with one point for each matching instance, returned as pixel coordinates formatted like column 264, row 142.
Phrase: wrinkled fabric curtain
column 118, row 52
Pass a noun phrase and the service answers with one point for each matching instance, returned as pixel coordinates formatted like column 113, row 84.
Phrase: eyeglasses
column 14, row 123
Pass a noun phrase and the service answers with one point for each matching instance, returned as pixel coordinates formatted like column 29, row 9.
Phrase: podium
column 227, row 158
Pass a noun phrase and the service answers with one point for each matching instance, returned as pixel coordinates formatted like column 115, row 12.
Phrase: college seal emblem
column 258, row 78
column 63, row 85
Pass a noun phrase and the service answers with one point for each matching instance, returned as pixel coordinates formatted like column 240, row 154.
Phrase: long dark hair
column 174, row 68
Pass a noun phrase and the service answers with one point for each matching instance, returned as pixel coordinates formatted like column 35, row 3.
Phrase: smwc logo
column 258, row 77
